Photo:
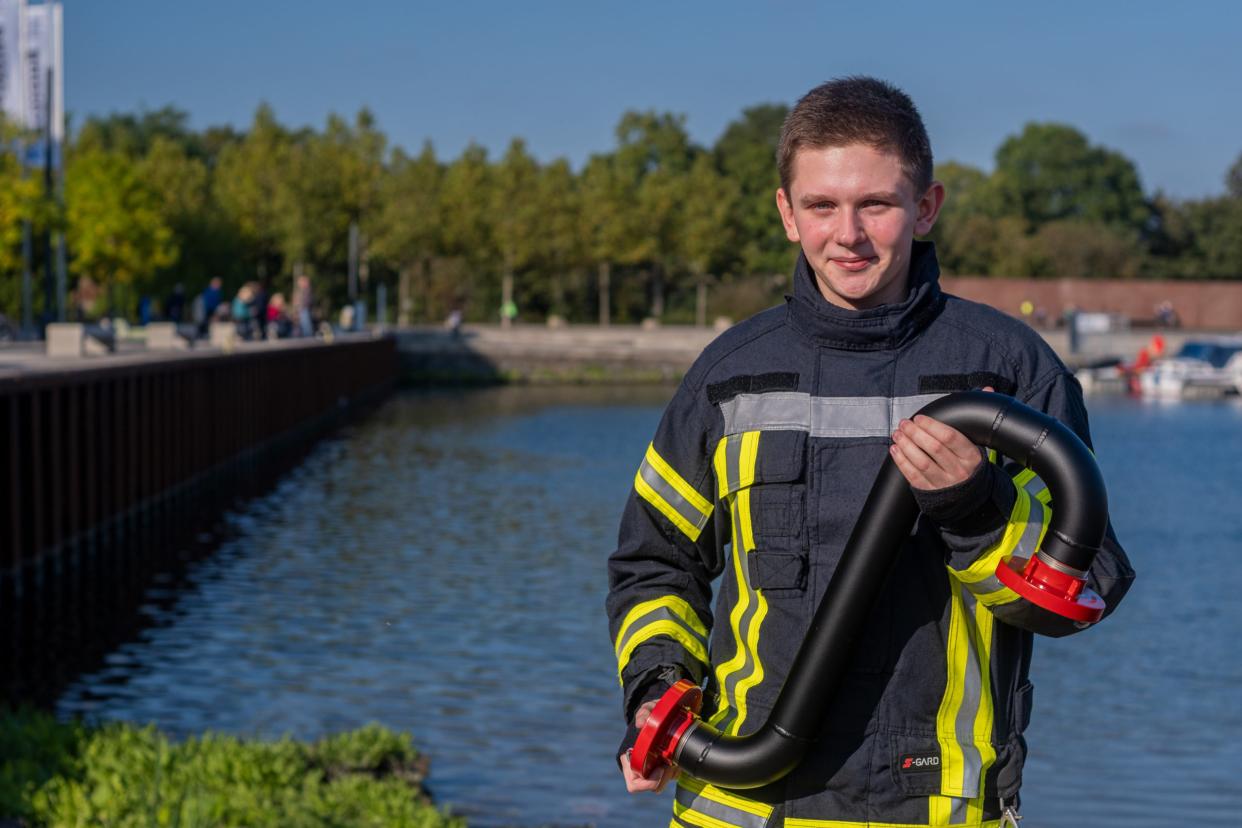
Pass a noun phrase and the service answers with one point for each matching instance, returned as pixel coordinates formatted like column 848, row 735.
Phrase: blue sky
column 1161, row 82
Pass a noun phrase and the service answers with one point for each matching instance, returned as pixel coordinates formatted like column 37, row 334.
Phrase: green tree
column 465, row 213
column 708, row 229
column 654, row 155
column 182, row 183
column 1216, row 229
column 968, row 232
column 252, row 184
column 515, row 216
column 338, row 185
column 1233, row 179
column 561, row 243
column 1050, row 172
column 746, row 153
column 135, row 134
column 610, row 225
column 115, row 225
column 20, row 198
column 407, row 227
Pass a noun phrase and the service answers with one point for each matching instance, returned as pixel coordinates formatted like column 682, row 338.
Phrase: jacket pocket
column 767, row 493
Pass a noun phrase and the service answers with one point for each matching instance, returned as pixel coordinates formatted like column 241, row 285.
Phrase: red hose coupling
column 672, row 716
column 1055, row 588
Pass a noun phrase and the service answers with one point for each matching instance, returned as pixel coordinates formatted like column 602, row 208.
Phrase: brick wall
column 1201, row 305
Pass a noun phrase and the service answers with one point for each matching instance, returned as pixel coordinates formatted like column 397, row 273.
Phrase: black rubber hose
column 1074, row 536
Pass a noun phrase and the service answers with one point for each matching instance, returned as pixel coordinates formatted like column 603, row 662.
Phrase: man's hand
column 661, row 776
column 932, row 455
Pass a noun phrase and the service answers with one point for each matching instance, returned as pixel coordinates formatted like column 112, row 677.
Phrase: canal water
column 439, row 568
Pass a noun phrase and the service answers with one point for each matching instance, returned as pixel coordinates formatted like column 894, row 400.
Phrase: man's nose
column 849, row 230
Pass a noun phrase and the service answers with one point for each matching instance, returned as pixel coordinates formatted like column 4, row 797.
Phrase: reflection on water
column 440, row 568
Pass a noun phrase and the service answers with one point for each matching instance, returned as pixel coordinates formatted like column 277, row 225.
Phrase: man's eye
column 874, row 205
column 822, row 205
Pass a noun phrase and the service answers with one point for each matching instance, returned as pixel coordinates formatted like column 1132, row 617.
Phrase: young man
column 759, row 470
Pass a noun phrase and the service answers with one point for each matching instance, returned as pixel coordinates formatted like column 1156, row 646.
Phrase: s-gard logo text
column 920, row 762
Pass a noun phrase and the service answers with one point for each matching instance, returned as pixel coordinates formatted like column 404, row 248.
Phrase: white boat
column 1204, row 367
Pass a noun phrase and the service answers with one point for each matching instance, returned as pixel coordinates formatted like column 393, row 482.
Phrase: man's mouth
column 852, row 263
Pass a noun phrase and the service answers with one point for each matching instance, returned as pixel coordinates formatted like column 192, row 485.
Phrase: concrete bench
column 164, row 336
column 73, row 339
column 64, row 339
column 223, row 335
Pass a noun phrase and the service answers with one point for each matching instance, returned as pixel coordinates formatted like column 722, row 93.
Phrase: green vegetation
column 69, row 774
column 655, row 226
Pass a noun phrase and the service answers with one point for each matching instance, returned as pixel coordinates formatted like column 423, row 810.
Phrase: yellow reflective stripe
column 979, row 577
column 744, row 669
column 985, row 565
column 798, row 822
column 684, row 627
column 674, row 603
column 749, row 462
column 707, row 791
column 671, row 629
column 693, row 817
column 984, row 716
column 679, row 483
column 665, row 508
column 756, row 676
column 965, row 718
column 939, row 810
column 952, row 762
column 720, row 462
column 746, row 478
column 728, row 668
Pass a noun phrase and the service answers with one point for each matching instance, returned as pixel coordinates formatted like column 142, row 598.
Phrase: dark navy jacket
column 756, row 475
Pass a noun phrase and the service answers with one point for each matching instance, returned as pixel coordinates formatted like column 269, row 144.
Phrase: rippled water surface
column 440, row 568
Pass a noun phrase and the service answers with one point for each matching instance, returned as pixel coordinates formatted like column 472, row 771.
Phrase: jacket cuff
column 979, row 504
column 649, row 686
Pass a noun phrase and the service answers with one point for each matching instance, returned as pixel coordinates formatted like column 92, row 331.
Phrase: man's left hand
column 932, row 455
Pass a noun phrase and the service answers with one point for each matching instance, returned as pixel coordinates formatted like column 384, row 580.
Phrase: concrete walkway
column 630, row 352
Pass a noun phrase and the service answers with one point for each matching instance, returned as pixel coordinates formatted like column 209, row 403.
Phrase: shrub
column 67, row 774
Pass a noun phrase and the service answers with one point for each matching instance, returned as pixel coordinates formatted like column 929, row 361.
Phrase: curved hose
column 1074, row 536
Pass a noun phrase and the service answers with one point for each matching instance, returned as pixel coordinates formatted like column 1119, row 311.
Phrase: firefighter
column 759, row 469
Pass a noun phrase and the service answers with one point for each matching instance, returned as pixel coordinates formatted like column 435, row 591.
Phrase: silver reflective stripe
column 987, row 586
column 1026, row 543
column 671, row 496
column 820, row 416
column 1030, row 534
column 972, row 694
column 1035, row 487
column 733, row 468
column 957, row 813
column 658, row 614
column 716, row 810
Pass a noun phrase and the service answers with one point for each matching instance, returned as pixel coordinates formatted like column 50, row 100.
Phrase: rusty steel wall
column 80, row 449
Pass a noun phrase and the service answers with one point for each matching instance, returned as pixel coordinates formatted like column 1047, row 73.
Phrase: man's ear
column 787, row 216
column 929, row 209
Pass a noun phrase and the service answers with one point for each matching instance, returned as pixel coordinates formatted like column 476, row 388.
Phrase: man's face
column 855, row 213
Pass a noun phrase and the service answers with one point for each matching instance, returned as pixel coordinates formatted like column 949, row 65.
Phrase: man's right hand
column 660, row 777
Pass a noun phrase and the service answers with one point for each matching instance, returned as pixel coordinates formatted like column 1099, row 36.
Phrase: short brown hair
column 857, row 110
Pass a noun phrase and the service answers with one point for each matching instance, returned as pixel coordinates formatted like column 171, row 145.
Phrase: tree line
column 657, row 226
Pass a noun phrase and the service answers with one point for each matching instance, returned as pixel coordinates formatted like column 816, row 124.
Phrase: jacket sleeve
column 659, row 577
column 1003, row 511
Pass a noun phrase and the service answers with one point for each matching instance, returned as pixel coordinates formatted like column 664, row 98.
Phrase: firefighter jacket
column 756, row 475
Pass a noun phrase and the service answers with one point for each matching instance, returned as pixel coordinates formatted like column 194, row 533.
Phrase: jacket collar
column 873, row 329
